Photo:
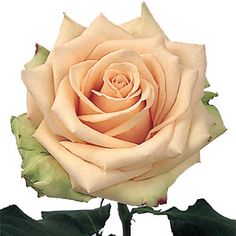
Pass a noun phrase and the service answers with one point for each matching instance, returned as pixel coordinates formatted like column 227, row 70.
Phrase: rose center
column 116, row 84
column 120, row 81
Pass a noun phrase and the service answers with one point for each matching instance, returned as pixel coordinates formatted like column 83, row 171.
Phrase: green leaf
column 40, row 170
column 58, row 223
column 40, row 56
column 199, row 219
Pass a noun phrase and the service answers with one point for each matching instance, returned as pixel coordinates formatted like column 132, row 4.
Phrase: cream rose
column 119, row 108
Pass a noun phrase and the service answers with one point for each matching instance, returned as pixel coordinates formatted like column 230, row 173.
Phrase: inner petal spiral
column 116, row 84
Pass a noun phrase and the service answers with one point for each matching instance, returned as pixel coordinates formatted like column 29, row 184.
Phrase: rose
column 119, row 108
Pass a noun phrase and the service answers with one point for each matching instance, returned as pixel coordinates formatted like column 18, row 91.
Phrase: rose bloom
column 119, row 108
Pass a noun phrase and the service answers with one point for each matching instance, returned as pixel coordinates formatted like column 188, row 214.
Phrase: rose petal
column 66, row 98
column 140, row 46
column 88, row 176
column 158, row 74
column 39, row 83
column 108, row 159
column 147, row 191
column 77, row 75
column 194, row 57
column 144, row 26
column 195, row 138
column 110, row 104
column 183, row 100
column 69, row 30
column 33, row 112
column 137, row 129
column 64, row 56
column 171, row 67
column 131, row 130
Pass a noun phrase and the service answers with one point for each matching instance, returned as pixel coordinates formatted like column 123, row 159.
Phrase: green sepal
column 39, row 58
column 206, row 83
column 218, row 126
column 208, row 96
column 40, row 170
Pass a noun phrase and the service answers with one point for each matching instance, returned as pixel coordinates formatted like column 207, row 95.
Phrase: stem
column 125, row 217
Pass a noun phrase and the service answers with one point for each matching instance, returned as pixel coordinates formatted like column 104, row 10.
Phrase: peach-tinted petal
column 183, row 100
column 194, row 57
column 148, row 152
column 144, row 26
column 111, row 104
column 77, row 74
column 148, row 191
column 39, row 83
column 33, row 112
column 137, row 129
column 198, row 136
column 140, row 46
column 181, row 132
column 64, row 56
column 69, row 30
column 88, row 176
column 64, row 108
column 158, row 74
column 171, row 68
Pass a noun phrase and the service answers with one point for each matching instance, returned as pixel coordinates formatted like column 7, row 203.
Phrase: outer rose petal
column 68, row 31
column 88, row 176
column 39, row 83
column 189, row 140
column 171, row 67
column 140, row 46
column 183, row 100
column 144, row 26
column 158, row 74
column 33, row 112
column 194, row 57
column 148, row 191
column 39, row 58
column 148, row 152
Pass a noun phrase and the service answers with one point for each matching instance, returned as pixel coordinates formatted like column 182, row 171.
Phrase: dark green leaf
column 198, row 220
column 59, row 223
column 145, row 209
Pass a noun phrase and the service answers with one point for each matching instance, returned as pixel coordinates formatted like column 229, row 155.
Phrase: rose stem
column 125, row 217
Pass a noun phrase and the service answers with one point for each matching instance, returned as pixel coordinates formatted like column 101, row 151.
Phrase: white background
column 25, row 22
